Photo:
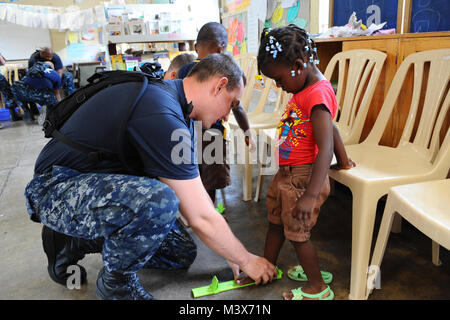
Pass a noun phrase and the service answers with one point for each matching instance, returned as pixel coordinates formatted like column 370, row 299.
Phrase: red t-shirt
column 295, row 129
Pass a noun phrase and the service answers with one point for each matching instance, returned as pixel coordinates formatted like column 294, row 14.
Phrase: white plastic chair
column 426, row 206
column 248, row 64
column 257, row 120
column 417, row 158
column 11, row 70
column 359, row 71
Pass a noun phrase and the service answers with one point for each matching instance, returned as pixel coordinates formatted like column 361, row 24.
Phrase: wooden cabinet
column 397, row 47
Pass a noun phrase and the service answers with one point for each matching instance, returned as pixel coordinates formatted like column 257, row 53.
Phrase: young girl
column 289, row 56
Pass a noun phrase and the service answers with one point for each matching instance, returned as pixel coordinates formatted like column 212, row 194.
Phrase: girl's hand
column 304, row 207
column 250, row 143
column 343, row 166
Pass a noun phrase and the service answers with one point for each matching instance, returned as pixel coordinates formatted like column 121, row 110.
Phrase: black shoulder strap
column 63, row 110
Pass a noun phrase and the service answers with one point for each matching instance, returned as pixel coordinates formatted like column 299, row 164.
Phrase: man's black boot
column 112, row 285
column 63, row 251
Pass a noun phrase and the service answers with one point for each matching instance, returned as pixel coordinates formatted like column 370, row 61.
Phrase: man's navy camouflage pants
column 5, row 90
column 67, row 83
column 25, row 93
column 136, row 216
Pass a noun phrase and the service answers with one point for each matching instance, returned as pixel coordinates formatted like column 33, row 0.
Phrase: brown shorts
column 286, row 188
column 215, row 175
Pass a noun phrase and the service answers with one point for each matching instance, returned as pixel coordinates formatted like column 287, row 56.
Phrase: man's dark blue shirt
column 158, row 128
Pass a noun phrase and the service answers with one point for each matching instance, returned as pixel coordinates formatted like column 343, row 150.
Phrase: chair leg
column 364, row 211
column 247, row 183
column 247, row 178
column 382, row 239
column 435, row 254
column 260, row 173
column 259, row 183
column 397, row 224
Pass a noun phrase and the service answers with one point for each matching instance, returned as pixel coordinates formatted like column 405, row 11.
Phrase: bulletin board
column 237, row 23
column 19, row 42
column 369, row 11
column 430, row 15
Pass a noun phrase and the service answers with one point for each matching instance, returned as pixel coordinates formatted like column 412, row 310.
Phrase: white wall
column 18, row 42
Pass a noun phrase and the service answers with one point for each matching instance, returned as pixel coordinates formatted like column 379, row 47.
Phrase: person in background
column 212, row 38
column 47, row 54
column 8, row 96
column 40, row 85
column 176, row 63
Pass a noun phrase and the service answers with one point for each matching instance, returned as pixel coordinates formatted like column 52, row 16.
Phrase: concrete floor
column 407, row 271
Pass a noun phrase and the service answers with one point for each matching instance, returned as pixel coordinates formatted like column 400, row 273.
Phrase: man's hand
column 212, row 229
column 259, row 269
column 235, row 268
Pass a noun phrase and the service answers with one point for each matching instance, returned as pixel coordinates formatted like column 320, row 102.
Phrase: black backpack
column 59, row 114
column 37, row 70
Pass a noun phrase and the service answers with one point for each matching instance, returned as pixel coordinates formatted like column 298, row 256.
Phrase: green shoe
column 296, row 273
column 299, row 294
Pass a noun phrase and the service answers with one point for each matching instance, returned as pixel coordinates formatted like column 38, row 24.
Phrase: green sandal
column 296, row 273
column 299, row 294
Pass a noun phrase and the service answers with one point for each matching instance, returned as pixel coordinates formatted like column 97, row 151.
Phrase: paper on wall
column 288, row 3
column 256, row 11
column 2, row 12
column 53, row 20
column 11, row 13
column 252, row 33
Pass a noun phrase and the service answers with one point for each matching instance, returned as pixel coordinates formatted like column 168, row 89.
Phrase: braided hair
column 285, row 45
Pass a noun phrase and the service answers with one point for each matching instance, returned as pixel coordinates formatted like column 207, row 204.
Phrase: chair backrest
column 359, row 71
column 12, row 72
column 250, row 70
column 245, row 61
column 435, row 109
column 268, row 85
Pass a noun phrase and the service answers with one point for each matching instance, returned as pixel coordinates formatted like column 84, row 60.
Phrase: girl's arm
column 343, row 161
column 323, row 134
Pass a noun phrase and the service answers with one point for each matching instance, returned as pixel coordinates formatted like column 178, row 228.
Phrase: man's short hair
column 218, row 64
column 212, row 33
column 180, row 60
column 46, row 53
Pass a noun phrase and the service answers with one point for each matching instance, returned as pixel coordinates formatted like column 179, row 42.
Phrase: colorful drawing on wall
column 294, row 15
column 277, row 17
column 237, row 5
column 299, row 22
column 88, row 35
column 237, row 40
column 293, row 12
